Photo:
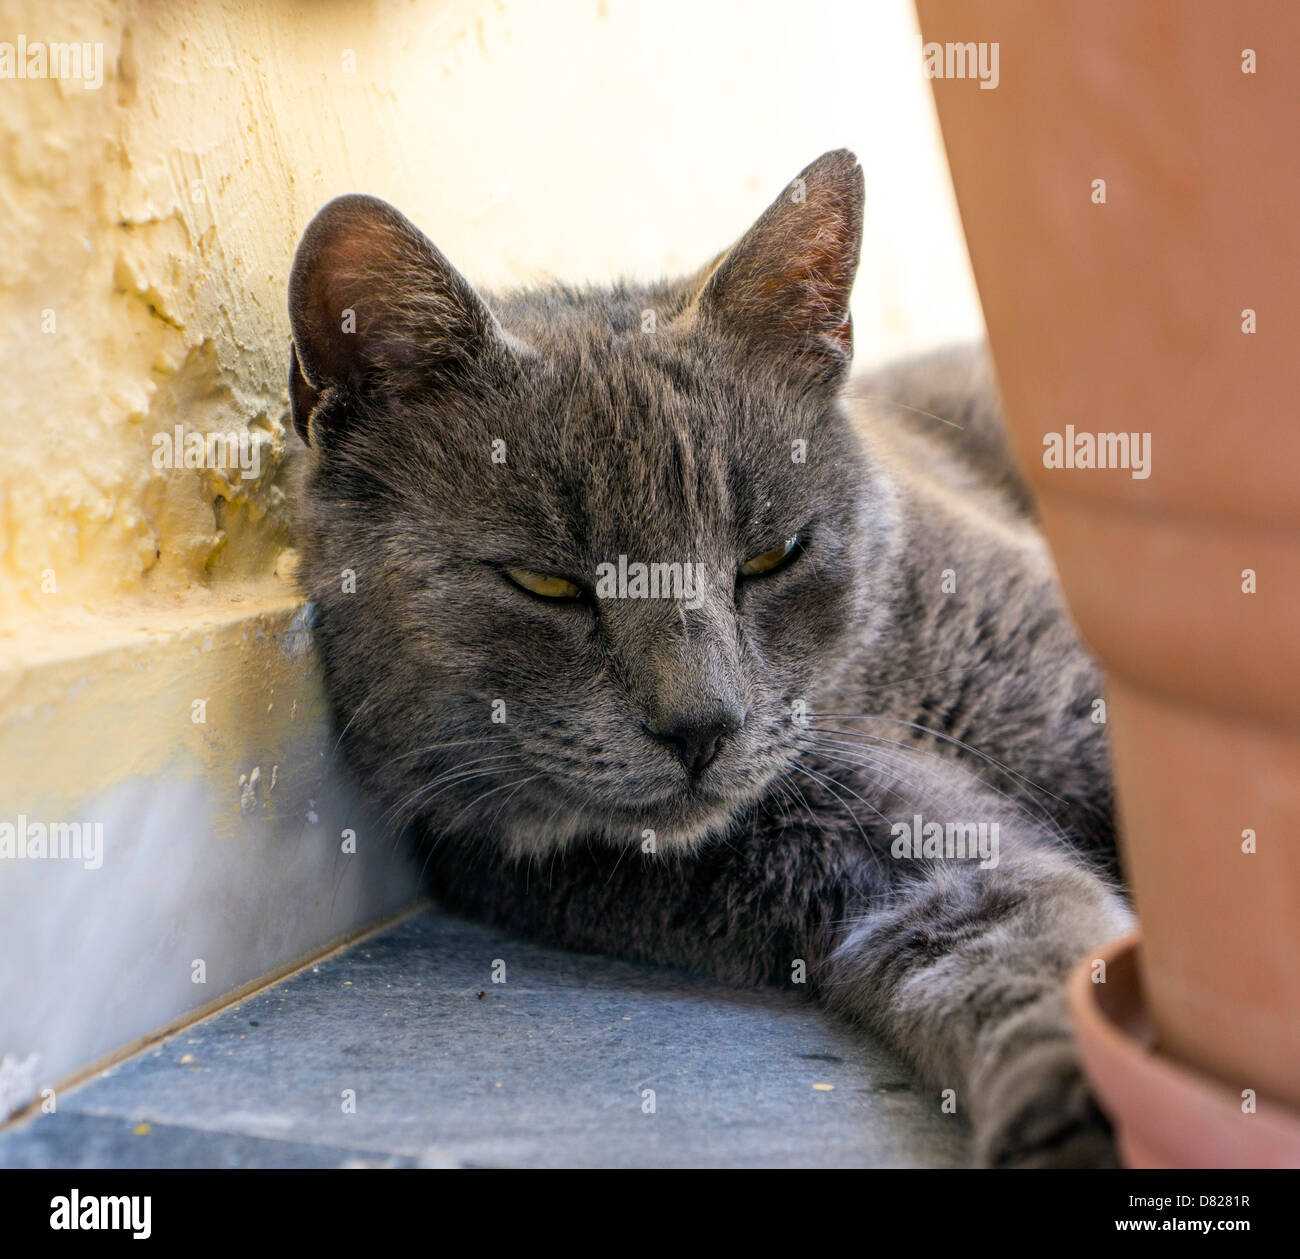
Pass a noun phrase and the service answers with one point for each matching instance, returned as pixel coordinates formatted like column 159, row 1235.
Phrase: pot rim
column 1164, row 1108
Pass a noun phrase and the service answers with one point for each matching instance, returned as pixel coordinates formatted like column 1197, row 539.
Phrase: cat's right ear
column 375, row 307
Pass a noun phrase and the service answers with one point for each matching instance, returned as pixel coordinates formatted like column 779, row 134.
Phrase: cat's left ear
column 375, row 308
column 785, row 286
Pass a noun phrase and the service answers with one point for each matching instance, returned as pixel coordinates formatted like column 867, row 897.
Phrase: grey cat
column 669, row 641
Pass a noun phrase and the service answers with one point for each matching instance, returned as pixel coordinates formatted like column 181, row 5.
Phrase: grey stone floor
column 401, row 1051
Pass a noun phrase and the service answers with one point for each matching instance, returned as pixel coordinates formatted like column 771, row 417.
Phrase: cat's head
column 579, row 557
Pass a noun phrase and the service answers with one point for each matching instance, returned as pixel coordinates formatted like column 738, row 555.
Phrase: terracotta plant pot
column 1129, row 191
column 1168, row 1116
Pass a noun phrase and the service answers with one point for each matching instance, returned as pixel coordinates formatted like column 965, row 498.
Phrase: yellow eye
column 543, row 584
column 771, row 560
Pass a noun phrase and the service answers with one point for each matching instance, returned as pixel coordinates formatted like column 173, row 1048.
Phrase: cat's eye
column 771, row 560
column 545, row 584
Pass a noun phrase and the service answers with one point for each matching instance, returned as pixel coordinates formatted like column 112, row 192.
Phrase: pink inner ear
column 349, row 274
column 843, row 335
column 826, row 276
column 787, row 281
column 809, row 296
column 346, row 265
column 359, row 256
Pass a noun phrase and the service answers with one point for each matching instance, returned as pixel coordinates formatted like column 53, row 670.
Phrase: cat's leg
column 963, row 970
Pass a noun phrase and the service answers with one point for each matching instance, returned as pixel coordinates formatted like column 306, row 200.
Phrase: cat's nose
column 696, row 739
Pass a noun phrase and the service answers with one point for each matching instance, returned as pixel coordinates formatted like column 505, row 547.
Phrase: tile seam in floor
column 392, row 1015
column 169, row 1031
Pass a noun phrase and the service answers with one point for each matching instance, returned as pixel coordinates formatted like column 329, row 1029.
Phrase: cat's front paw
column 1040, row 1113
